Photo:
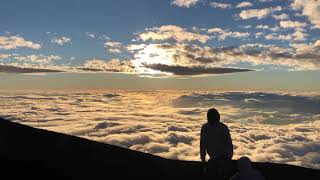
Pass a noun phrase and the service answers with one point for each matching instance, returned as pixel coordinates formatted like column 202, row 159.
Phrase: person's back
column 215, row 138
column 216, row 141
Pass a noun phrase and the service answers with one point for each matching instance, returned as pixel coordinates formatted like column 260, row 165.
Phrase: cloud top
column 273, row 127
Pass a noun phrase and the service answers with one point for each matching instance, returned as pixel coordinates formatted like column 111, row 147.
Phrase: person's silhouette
column 216, row 141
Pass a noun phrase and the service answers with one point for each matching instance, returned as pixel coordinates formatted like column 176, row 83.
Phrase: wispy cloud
column 220, row 5
column 5, row 56
column 113, row 46
column 184, row 3
column 31, row 63
column 223, row 34
column 281, row 16
column 114, row 65
column 267, row 27
column 244, row 4
column 60, row 40
column 90, row 35
column 259, row 34
column 292, row 24
column 258, row 13
column 40, row 59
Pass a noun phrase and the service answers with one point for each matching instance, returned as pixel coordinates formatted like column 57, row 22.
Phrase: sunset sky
column 167, row 38
column 142, row 74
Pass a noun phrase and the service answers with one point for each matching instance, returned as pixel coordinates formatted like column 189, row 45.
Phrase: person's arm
column 203, row 145
column 229, row 145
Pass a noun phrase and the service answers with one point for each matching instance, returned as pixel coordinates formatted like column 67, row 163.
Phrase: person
column 216, row 141
column 245, row 171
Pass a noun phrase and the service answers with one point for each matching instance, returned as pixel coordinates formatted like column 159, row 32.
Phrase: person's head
column 244, row 164
column 213, row 116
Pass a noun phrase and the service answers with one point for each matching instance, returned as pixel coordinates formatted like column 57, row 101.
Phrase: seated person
column 216, row 141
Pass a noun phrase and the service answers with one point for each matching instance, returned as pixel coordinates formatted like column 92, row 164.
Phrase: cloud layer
column 299, row 57
column 177, row 52
column 273, row 127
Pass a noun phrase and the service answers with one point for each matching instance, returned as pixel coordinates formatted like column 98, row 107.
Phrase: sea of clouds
column 266, row 126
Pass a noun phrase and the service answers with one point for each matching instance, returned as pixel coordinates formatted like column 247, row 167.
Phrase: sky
column 166, row 38
column 257, row 61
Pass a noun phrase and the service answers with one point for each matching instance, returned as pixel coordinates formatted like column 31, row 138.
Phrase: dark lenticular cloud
column 195, row 70
column 15, row 69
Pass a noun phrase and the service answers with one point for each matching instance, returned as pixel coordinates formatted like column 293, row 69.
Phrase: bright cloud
column 154, row 58
column 113, row 46
column 281, row 16
column 292, row 24
column 223, row 34
column 259, row 34
column 14, row 42
column 191, row 59
column 262, row 27
column 185, row 3
column 16, row 63
column 296, row 36
column 311, row 47
column 244, row 4
column 37, row 59
column 5, row 56
column 114, row 65
column 258, row 13
column 299, row 35
column 173, row 32
column 267, row 27
column 60, row 40
column 220, row 5
column 309, row 8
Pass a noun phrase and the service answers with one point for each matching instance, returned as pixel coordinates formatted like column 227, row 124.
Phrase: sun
column 152, row 54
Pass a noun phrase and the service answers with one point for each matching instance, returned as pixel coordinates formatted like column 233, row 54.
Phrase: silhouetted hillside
column 30, row 153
